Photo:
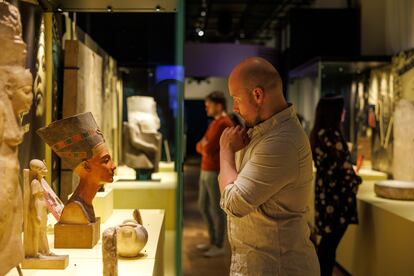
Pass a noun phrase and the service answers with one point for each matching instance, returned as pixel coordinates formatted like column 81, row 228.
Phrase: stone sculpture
column 142, row 141
column 126, row 240
column 403, row 165
column 109, row 254
column 131, row 236
column 395, row 189
column 81, row 145
column 15, row 100
column 35, row 234
column 36, row 245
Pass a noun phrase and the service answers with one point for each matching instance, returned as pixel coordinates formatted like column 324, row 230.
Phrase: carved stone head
column 81, row 145
column 16, row 83
column 38, row 167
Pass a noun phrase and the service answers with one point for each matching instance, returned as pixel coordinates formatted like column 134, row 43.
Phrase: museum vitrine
column 334, row 76
column 57, row 65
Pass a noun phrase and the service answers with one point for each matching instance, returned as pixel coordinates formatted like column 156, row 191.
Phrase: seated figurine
column 142, row 141
column 78, row 142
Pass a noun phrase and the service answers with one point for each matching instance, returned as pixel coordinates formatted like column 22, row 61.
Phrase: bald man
column 265, row 178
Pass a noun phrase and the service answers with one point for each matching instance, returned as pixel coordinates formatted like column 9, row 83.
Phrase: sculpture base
column 394, row 189
column 48, row 262
column 77, row 235
column 143, row 174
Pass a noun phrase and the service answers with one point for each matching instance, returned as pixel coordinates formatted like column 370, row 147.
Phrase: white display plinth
column 103, row 204
column 166, row 167
column 382, row 243
column 89, row 261
column 130, row 194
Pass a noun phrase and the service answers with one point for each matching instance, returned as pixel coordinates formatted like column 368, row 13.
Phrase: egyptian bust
column 80, row 144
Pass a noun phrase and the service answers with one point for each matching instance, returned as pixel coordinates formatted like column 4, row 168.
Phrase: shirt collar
column 273, row 121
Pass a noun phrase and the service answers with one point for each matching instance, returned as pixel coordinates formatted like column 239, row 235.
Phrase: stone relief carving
column 15, row 99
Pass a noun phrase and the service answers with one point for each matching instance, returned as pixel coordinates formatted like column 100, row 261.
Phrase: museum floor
column 195, row 232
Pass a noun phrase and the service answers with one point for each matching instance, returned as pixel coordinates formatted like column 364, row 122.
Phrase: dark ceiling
column 252, row 21
column 133, row 39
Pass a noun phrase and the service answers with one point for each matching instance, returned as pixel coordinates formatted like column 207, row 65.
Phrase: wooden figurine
column 81, row 145
column 15, row 100
column 36, row 245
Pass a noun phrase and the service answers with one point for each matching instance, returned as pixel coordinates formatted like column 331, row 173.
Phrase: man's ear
column 258, row 95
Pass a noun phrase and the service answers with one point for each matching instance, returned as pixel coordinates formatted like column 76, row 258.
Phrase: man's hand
column 234, row 139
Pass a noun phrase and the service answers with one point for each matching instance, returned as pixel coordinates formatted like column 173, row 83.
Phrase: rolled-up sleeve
column 274, row 163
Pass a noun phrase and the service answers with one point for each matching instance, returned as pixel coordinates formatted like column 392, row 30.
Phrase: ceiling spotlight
column 109, row 9
column 203, row 13
column 158, row 8
column 200, row 33
column 59, row 9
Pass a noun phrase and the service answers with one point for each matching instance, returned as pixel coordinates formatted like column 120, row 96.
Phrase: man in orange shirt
column 209, row 193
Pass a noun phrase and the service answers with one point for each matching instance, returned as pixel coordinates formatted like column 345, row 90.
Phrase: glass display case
column 330, row 76
column 61, row 70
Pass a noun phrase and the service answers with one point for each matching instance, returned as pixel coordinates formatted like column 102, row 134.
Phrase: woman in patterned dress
column 336, row 181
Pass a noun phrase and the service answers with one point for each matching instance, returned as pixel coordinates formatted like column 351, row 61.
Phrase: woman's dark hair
column 328, row 115
column 218, row 98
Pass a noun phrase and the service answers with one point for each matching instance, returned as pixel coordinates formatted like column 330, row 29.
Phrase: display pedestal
column 147, row 194
column 89, row 261
column 48, row 262
column 77, row 235
column 166, row 167
column 103, row 204
column 382, row 243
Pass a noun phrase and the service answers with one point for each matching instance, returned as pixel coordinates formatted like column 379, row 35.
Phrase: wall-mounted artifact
column 142, row 140
column 125, row 240
column 15, row 99
column 13, row 48
column 36, row 245
column 403, row 165
column 78, row 141
column 380, row 117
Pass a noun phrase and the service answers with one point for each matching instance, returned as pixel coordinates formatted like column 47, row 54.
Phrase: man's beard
column 255, row 121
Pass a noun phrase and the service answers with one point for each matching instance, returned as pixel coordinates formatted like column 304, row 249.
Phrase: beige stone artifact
column 394, row 189
column 15, row 100
column 13, row 49
column 36, row 245
column 142, row 141
column 131, row 236
column 109, row 254
column 126, row 240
